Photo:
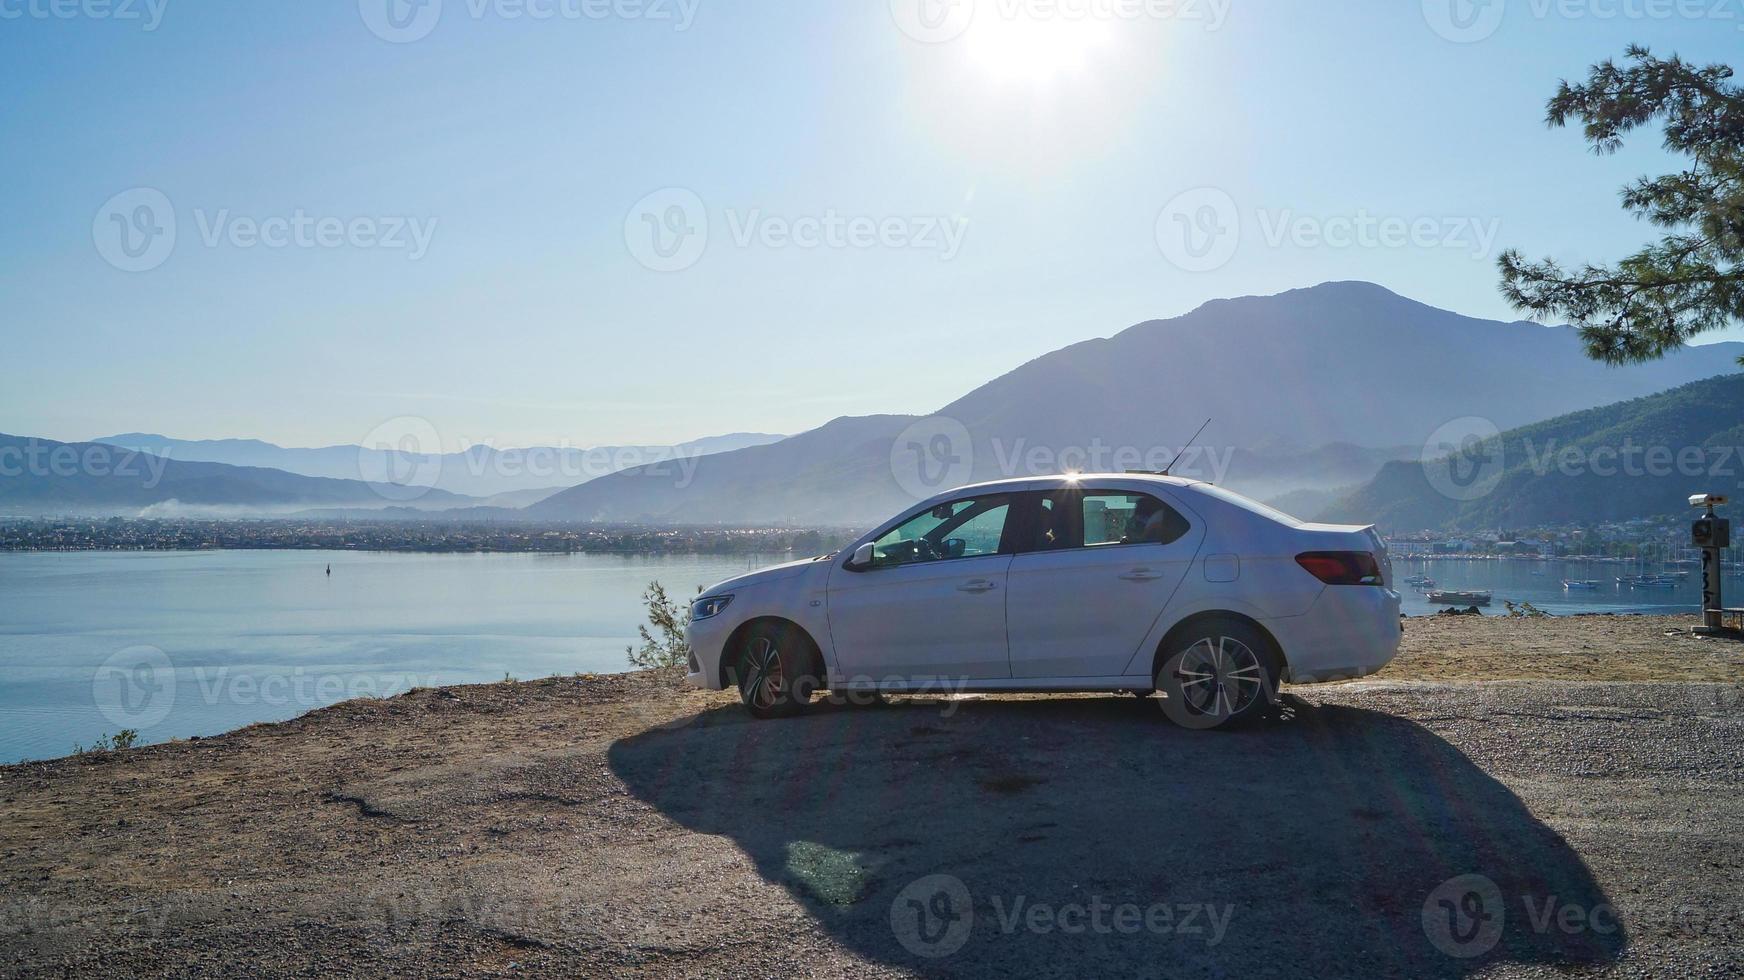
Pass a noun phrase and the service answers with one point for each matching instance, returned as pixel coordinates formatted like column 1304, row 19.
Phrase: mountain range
column 42, row 476
column 1639, row 458
column 145, row 475
column 481, row 471
column 1320, row 397
column 1306, row 390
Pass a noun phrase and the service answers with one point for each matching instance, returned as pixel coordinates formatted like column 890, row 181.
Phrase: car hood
column 764, row 576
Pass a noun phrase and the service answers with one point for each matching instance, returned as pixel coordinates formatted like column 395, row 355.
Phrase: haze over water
column 268, row 635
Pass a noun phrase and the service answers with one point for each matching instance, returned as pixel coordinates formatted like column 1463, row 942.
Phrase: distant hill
column 1307, row 390
column 1637, row 458
column 480, row 471
column 42, row 476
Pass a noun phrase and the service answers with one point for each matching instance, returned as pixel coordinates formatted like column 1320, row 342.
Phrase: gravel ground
column 1405, row 826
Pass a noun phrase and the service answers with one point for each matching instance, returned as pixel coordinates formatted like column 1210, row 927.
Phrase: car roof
column 1058, row 481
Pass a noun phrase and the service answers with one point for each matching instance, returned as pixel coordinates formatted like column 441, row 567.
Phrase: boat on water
column 1458, row 597
column 1580, row 585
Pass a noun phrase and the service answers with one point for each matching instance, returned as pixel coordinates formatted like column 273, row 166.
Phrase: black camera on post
column 1711, row 532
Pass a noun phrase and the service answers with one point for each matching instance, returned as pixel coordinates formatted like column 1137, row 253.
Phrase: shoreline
column 607, row 824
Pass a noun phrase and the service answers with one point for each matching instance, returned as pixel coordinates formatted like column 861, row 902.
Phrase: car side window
column 960, row 529
column 1129, row 518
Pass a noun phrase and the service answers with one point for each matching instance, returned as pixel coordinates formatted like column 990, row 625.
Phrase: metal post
column 1713, row 575
column 1713, row 535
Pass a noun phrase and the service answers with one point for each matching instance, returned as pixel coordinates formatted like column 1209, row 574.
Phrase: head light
column 708, row 607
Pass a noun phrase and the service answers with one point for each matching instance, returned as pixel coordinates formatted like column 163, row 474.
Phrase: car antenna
column 1188, row 445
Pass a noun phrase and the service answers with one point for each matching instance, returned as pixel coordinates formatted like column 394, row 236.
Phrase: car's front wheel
column 1221, row 673
column 773, row 672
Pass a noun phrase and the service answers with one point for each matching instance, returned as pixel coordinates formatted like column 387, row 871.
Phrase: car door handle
column 1142, row 575
column 978, row 586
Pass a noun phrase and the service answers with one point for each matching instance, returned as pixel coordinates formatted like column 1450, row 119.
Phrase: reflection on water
column 1540, row 583
column 186, row 643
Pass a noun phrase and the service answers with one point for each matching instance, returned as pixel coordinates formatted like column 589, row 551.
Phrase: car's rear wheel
column 1221, row 674
column 773, row 672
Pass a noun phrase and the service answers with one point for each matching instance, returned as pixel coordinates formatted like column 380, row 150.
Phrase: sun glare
column 1034, row 50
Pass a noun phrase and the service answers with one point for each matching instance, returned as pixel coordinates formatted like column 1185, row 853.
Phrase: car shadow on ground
column 1081, row 835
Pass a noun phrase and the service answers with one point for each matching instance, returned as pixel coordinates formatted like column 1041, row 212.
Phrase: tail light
column 1342, row 567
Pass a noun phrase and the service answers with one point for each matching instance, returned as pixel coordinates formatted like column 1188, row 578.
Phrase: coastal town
column 121, row 534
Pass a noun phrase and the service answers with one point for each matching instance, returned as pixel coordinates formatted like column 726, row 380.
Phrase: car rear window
column 1247, row 503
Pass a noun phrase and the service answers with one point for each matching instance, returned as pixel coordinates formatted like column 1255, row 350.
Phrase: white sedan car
column 1151, row 584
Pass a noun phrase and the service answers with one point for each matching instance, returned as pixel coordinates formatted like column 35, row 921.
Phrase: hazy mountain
column 480, row 471
column 1638, row 458
column 1296, row 384
column 41, row 476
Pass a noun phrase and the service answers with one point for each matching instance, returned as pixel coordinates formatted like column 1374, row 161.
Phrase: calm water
column 197, row 643
column 1540, row 583
column 179, row 644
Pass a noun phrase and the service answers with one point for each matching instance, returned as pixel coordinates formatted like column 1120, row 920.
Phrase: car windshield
column 1248, row 504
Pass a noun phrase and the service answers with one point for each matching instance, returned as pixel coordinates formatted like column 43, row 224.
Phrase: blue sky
column 461, row 213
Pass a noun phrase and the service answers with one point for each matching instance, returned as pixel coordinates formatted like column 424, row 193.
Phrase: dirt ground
column 1510, row 798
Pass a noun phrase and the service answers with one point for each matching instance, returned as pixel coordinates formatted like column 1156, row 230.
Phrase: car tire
column 773, row 672
column 1221, row 673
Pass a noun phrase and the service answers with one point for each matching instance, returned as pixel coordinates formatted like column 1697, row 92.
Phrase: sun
column 1020, row 48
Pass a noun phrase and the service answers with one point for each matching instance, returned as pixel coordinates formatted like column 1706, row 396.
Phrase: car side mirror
column 863, row 557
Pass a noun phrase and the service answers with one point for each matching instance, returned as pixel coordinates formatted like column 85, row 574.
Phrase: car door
column 932, row 605
column 1087, row 591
